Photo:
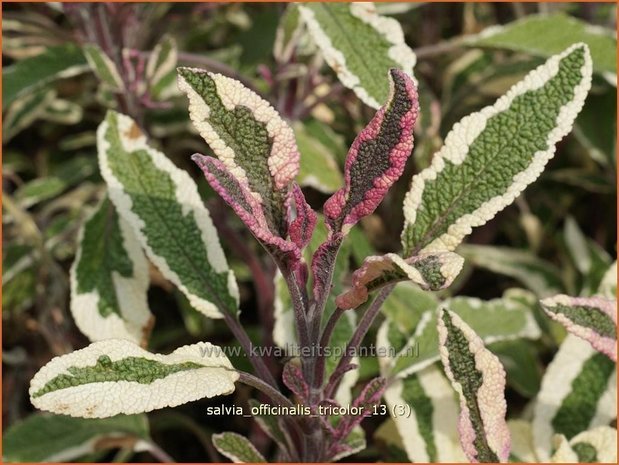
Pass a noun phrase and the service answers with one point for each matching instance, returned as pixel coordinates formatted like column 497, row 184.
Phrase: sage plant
column 154, row 213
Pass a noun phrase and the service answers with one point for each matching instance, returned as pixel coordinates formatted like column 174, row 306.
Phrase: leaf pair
column 488, row 158
column 257, row 160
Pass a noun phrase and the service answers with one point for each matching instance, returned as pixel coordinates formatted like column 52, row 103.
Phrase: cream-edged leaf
column 495, row 320
column 103, row 67
column 162, row 205
column 489, row 157
column 579, row 392
column 479, row 379
column 161, row 69
column 116, row 376
column 432, row 271
column 429, row 432
column 237, row 448
column 248, row 136
column 360, row 45
column 593, row 319
column 109, row 280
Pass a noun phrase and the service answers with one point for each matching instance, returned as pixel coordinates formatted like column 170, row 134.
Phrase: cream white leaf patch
column 109, row 280
column 598, row 445
column 116, row 376
column 429, row 433
column 103, row 67
column 579, row 392
column 237, row 448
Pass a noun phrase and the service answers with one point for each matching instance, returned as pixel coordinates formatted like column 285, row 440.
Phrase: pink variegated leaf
column 301, row 218
column 479, row 379
column 593, row 319
column 377, row 157
column 247, row 207
column 431, row 271
column 294, row 380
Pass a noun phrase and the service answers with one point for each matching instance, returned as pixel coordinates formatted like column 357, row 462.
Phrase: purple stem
column 319, row 371
column 355, row 341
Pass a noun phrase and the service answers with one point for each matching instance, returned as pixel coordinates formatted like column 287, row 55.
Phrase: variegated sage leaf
column 598, row 445
column 116, row 376
column 479, row 379
column 247, row 135
column 608, row 285
column 24, row 111
column 593, row 319
column 103, row 67
column 429, row 433
column 237, row 448
column 429, row 271
column 360, row 45
column 579, row 392
column 164, row 209
column 489, row 157
column 161, row 69
column 42, row 437
column 109, row 280
column 301, row 218
column 377, row 156
column 494, row 320
column 247, row 207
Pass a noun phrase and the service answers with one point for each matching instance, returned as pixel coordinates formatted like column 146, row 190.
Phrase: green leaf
column 520, row 360
column 596, row 127
column 117, row 376
column 24, row 111
column 539, row 276
column 578, row 393
column 494, row 320
column 429, row 430
column 237, row 448
column 318, row 166
column 360, row 45
column 161, row 69
column 58, row 438
column 162, row 205
column 559, row 32
column 479, row 379
column 103, row 67
column 30, row 74
column 489, row 157
column 406, row 304
column 109, row 280
column 593, row 319
column 62, row 111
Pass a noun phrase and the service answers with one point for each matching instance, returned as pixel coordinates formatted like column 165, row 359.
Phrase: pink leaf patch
column 301, row 218
column 479, row 379
column 247, row 207
column 432, row 271
column 293, row 379
column 593, row 319
column 377, row 157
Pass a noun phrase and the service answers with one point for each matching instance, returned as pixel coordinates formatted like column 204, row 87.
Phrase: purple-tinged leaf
column 294, row 380
column 593, row 319
column 377, row 157
column 367, row 399
column 322, row 264
column 479, row 379
column 432, row 271
column 247, row 207
column 301, row 218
